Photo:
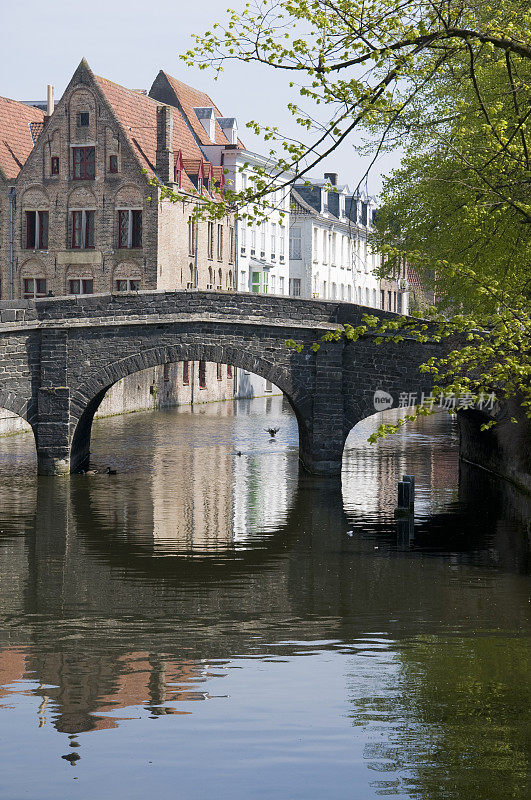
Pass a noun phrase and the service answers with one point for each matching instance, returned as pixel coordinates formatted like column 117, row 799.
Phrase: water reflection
column 328, row 647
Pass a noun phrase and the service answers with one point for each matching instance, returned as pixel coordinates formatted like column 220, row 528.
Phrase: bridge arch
column 90, row 394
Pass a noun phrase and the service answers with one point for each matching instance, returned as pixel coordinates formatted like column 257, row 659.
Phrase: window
column 113, row 163
column 177, row 176
column 273, row 284
column 367, row 298
column 127, row 285
column 82, row 230
column 296, row 287
column 84, row 160
column 55, row 165
column 229, row 370
column 37, row 230
column 81, row 286
column 220, row 280
column 255, row 282
column 281, row 285
column 220, row 242
column 231, row 245
column 382, row 298
column 253, row 240
column 192, row 232
column 129, row 229
column 282, row 232
column 273, row 239
column 334, row 291
column 186, row 373
column 210, row 241
column 262, row 239
column 295, row 243
column 349, row 293
column 83, row 119
column 34, row 287
column 202, row 375
column 219, row 376
column 389, row 301
column 268, row 386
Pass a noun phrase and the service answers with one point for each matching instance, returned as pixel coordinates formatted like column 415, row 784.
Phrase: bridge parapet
column 59, row 356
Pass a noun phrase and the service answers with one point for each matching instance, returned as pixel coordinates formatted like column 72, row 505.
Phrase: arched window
column 210, row 278
column 220, row 279
column 229, row 279
column 191, row 279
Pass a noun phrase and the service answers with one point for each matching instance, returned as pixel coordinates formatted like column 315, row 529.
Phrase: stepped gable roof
column 16, row 140
column 137, row 114
column 189, row 98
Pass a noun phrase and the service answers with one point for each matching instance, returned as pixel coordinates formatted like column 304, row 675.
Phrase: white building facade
column 330, row 255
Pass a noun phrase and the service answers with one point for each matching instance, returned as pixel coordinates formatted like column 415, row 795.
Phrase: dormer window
column 54, row 169
column 83, row 119
column 177, row 169
column 113, row 164
column 200, row 185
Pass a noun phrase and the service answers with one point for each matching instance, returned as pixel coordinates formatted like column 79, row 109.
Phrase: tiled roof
column 16, row 142
column 137, row 114
column 36, row 128
column 189, row 98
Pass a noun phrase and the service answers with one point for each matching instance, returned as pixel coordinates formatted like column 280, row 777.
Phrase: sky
column 128, row 41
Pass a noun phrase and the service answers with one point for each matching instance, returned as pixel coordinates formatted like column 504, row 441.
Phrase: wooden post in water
column 406, row 496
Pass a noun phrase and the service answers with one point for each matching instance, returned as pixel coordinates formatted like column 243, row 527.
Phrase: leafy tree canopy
column 451, row 83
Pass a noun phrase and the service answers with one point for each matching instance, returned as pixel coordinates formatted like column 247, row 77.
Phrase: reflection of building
column 192, row 509
column 371, row 471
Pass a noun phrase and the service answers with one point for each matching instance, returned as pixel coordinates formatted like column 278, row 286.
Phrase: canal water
column 211, row 622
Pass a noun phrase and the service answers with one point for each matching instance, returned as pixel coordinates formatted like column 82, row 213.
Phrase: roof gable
column 169, row 90
column 137, row 115
column 16, row 139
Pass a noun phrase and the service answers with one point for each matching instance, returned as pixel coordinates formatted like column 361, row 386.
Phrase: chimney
column 331, row 177
column 165, row 158
column 49, row 101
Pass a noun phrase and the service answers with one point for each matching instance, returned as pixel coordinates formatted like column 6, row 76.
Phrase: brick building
column 86, row 218
column 79, row 216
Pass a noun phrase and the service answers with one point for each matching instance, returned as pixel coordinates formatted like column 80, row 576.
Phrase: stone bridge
column 59, row 356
